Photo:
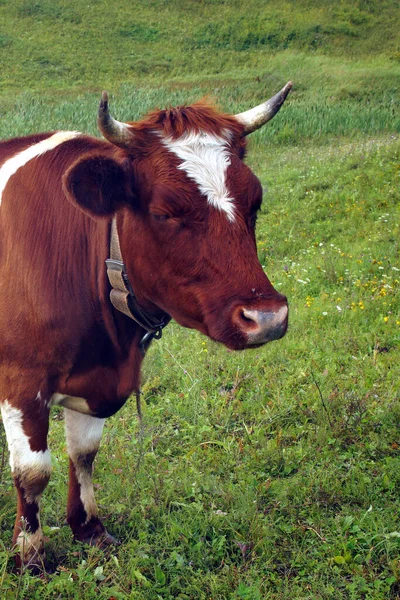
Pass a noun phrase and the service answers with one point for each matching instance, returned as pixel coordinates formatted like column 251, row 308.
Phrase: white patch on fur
column 22, row 458
column 83, row 437
column 205, row 160
column 87, row 493
column 75, row 403
column 11, row 166
column 45, row 402
column 83, row 433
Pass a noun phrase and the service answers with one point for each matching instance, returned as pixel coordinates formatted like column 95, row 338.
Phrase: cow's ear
column 99, row 184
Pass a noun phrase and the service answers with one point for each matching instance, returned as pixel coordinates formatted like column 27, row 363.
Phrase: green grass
column 269, row 474
column 64, row 44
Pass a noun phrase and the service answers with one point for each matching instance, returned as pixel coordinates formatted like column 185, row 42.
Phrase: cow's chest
column 105, row 386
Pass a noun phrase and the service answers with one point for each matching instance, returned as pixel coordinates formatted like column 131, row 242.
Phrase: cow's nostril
column 247, row 317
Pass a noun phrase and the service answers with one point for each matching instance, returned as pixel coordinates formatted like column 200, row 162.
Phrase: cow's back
column 49, row 252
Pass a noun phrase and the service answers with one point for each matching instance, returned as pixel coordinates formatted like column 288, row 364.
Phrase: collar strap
column 123, row 297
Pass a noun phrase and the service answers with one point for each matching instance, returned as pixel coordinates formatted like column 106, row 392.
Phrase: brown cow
column 182, row 206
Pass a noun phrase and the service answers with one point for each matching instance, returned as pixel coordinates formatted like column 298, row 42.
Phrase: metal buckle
column 158, row 334
column 115, row 265
column 149, row 337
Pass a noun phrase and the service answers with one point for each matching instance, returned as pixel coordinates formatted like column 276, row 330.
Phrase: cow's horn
column 114, row 131
column 259, row 115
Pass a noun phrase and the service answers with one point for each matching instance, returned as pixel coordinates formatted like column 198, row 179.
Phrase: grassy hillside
column 271, row 474
column 62, row 44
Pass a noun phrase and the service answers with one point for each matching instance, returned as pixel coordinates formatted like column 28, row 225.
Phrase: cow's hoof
column 100, row 540
column 29, row 554
column 35, row 564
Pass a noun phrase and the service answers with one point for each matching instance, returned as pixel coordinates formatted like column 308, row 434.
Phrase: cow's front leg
column 26, row 431
column 83, row 440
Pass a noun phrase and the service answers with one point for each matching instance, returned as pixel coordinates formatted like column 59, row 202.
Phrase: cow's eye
column 160, row 217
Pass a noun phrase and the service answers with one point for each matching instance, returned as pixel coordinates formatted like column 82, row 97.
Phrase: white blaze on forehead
column 11, row 166
column 22, row 458
column 205, row 159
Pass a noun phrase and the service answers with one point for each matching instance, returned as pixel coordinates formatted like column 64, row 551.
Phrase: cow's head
column 186, row 207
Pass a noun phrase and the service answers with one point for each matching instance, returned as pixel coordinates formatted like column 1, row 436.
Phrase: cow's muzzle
column 261, row 326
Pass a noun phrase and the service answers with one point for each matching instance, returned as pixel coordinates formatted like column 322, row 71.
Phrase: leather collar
column 123, row 297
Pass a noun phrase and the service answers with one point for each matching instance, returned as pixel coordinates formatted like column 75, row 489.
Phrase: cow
column 102, row 242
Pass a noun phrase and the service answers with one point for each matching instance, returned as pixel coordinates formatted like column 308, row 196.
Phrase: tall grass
column 360, row 102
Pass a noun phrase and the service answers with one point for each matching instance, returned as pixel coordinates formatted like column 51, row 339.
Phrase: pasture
column 272, row 473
